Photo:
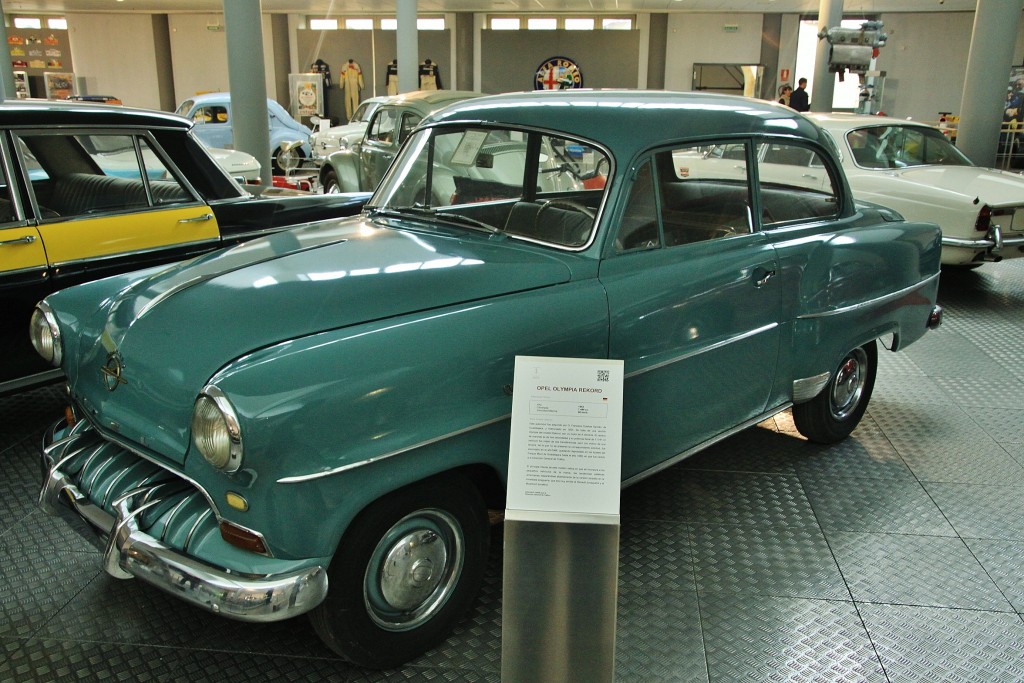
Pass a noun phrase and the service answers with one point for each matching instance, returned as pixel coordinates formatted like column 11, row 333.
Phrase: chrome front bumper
column 131, row 552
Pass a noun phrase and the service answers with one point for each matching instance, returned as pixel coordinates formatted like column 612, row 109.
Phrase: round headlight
column 215, row 430
column 45, row 334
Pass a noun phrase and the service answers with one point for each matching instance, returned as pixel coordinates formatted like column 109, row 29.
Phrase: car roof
column 42, row 113
column 633, row 119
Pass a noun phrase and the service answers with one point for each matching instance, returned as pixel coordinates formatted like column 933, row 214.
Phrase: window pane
column 705, row 192
column 617, row 24
column 27, row 22
column 639, row 228
column 795, row 184
column 433, row 24
column 359, row 24
column 505, row 24
column 579, row 24
column 542, row 24
column 323, row 24
column 389, row 24
column 383, row 129
column 60, row 24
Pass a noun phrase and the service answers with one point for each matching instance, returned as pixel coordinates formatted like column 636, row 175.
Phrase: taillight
column 984, row 221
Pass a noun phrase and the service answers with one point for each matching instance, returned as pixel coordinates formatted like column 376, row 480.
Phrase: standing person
column 798, row 98
column 785, row 92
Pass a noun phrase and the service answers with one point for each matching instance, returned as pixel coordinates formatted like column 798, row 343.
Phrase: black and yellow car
column 88, row 191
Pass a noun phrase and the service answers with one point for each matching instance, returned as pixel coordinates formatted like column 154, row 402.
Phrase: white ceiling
column 330, row 8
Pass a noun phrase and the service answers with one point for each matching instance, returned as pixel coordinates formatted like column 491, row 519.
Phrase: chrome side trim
column 807, row 388
column 706, row 444
column 111, row 257
column 298, row 479
column 704, row 349
column 879, row 301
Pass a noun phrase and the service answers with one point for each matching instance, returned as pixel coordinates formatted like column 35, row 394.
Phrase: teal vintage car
column 318, row 421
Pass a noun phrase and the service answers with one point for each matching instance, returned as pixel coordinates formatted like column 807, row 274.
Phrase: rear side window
column 93, row 174
column 794, row 184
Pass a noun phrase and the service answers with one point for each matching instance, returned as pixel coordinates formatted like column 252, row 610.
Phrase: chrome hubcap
column 848, row 384
column 413, row 570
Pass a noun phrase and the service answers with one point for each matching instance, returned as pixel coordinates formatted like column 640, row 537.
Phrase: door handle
column 762, row 276
column 27, row 239
column 198, row 219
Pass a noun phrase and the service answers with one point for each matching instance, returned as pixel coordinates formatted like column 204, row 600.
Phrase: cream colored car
column 914, row 169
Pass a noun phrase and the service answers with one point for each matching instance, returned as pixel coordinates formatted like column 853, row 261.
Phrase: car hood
column 335, row 133
column 988, row 185
column 173, row 330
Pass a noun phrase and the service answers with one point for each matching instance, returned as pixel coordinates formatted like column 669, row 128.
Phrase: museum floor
column 895, row 556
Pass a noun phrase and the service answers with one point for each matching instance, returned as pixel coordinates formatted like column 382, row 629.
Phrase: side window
column 704, row 192
column 211, row 114
column 8, row 213
column 93, row 174
column 794, row 185
column 409, row 122
column 383, row 127
column 639, row 228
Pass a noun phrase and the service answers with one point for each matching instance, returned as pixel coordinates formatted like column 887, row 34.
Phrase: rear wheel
column 831, row 415
column 406, row 570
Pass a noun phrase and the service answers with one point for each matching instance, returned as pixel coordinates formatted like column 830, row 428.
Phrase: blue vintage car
column 318, row 421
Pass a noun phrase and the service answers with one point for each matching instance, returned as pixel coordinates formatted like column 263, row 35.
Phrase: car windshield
column 902, row 146
column 529, row 185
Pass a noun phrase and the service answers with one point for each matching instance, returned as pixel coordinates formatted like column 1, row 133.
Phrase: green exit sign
column 731, row 28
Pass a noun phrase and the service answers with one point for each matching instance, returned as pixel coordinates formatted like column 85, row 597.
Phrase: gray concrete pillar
column 830, row 14
column 408, row 46
column 988, row 71
column 247, row 81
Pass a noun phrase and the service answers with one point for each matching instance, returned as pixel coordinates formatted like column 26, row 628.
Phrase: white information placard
column 566, row 444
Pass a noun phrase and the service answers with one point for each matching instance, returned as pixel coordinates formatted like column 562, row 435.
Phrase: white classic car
column 914, row 169
column 323, row 142
column 239, row 165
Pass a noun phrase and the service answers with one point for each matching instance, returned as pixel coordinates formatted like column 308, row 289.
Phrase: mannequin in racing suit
column 352, row 80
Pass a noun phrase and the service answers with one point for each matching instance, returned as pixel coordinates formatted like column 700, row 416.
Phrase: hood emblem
column 112, row 370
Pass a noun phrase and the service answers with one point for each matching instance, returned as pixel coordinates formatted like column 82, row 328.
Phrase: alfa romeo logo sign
column 558, row 73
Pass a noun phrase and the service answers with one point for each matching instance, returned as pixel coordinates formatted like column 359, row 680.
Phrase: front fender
column 334, row 421
column 345, row 165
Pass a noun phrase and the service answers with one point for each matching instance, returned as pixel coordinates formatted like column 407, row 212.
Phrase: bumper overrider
column 147, row 516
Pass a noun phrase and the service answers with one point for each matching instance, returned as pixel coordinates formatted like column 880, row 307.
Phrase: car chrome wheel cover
column 848, row 385
column 414, row 570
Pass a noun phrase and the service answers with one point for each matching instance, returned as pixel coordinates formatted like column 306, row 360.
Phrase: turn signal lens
column 241, row 537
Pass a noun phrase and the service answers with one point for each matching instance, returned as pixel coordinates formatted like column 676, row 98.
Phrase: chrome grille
column 169, row 508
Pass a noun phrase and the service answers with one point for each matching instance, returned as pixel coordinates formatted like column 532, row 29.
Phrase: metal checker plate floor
column 895, row 556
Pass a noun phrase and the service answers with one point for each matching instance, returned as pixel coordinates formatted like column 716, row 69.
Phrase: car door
column 108, row 202
column 694, row 308
column 386, row 133
column 23, row 281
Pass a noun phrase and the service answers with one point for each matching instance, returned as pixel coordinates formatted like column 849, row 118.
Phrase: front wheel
column 830, row 416
column 406, row 570
column 330, row 182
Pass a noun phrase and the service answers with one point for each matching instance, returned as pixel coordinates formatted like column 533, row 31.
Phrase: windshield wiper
column 446, row 216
